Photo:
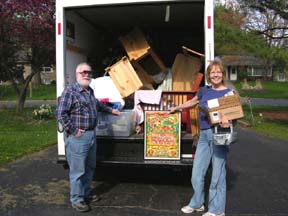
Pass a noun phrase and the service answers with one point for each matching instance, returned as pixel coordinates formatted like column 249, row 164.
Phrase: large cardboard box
column 229, row 106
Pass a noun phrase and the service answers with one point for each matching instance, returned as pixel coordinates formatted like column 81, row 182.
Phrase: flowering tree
column 27, row 27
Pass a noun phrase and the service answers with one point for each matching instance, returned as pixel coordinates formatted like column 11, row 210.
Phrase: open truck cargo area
column 167, row 45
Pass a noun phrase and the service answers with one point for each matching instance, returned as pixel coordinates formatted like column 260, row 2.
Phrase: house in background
column 239, row 67
column 280, row 75
column 47, row 73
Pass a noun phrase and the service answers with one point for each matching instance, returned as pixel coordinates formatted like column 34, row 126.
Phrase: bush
column 53, row 82
column 43, row 112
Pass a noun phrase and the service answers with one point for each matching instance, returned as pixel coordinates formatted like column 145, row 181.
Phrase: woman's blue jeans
column 81, row 157
column 206, row 151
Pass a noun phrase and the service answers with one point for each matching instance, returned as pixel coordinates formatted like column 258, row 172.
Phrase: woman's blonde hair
column 218, row 64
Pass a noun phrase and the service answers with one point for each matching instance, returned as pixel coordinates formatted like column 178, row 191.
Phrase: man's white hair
column 80, row 65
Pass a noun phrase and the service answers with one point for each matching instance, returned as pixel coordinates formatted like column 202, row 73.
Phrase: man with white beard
column 77, row 112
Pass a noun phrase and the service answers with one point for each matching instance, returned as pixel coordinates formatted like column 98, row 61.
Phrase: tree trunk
column 21, row 101
column 14, row 84
column 22, row 96
column 37, row 80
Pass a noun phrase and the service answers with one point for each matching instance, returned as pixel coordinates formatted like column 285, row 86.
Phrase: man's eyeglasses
column 85, row 72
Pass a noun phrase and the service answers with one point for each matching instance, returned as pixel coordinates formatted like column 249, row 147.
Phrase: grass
column 270, row 90
column 41, row 92
column 48, row 92
column 271, row 128
column 21, row 134
column 273, row 90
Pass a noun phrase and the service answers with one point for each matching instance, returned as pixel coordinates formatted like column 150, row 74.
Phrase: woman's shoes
column 212, row 214
column 187, row 209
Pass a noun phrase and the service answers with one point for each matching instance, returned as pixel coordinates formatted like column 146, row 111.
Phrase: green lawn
column 42, row 92
column 21, row 134
column 48, row 92
column 270, row 90
column 276, row 128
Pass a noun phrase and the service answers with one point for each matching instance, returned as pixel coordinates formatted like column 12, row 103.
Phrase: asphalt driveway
column 257, row 185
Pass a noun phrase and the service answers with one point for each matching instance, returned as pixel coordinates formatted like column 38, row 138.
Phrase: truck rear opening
column 91, row 31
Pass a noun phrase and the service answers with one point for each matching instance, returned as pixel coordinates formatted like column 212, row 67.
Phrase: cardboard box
column 230, row 106
column 112, row 125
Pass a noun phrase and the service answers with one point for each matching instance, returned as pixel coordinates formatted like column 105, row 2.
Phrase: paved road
column 265, row 101
column 256, row 183
column 253, row 101
column 260, row 101
column 28, row 103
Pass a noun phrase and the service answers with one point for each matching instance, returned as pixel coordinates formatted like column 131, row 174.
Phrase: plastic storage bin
column 111, row 125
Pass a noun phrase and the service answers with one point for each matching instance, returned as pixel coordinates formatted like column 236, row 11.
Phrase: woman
column 206, row 150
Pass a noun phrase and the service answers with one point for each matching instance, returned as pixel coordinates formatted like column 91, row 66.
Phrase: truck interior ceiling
column 166, row 26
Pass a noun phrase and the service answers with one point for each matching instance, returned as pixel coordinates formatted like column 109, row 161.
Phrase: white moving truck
column 89, row 30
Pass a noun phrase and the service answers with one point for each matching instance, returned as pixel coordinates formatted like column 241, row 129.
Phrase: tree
column 234, row 34
column 26, row 26
column 278, row 6
column 269, row 20
column 230, row 35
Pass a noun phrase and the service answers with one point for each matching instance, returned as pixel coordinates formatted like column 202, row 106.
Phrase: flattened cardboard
column 229, row 106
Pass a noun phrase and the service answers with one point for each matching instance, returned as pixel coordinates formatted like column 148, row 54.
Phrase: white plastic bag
column 104, row 88
column 224, row 137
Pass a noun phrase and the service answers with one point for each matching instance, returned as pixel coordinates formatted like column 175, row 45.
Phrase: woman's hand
column 173, row 109
column 188, row 104
column 224, row 122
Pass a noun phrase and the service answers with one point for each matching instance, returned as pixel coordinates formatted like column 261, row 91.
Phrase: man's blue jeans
column 81, row 157
column 206, row 151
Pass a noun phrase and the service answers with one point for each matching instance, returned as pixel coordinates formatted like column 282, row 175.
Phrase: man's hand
column 79, row 133
column 115, row 112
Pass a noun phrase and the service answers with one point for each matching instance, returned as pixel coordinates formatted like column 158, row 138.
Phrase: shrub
column 43, row 112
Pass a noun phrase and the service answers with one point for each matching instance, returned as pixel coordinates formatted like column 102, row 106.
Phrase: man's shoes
column 212, row 214
column 81, row 206
column 187, row 209
column 92, row 198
